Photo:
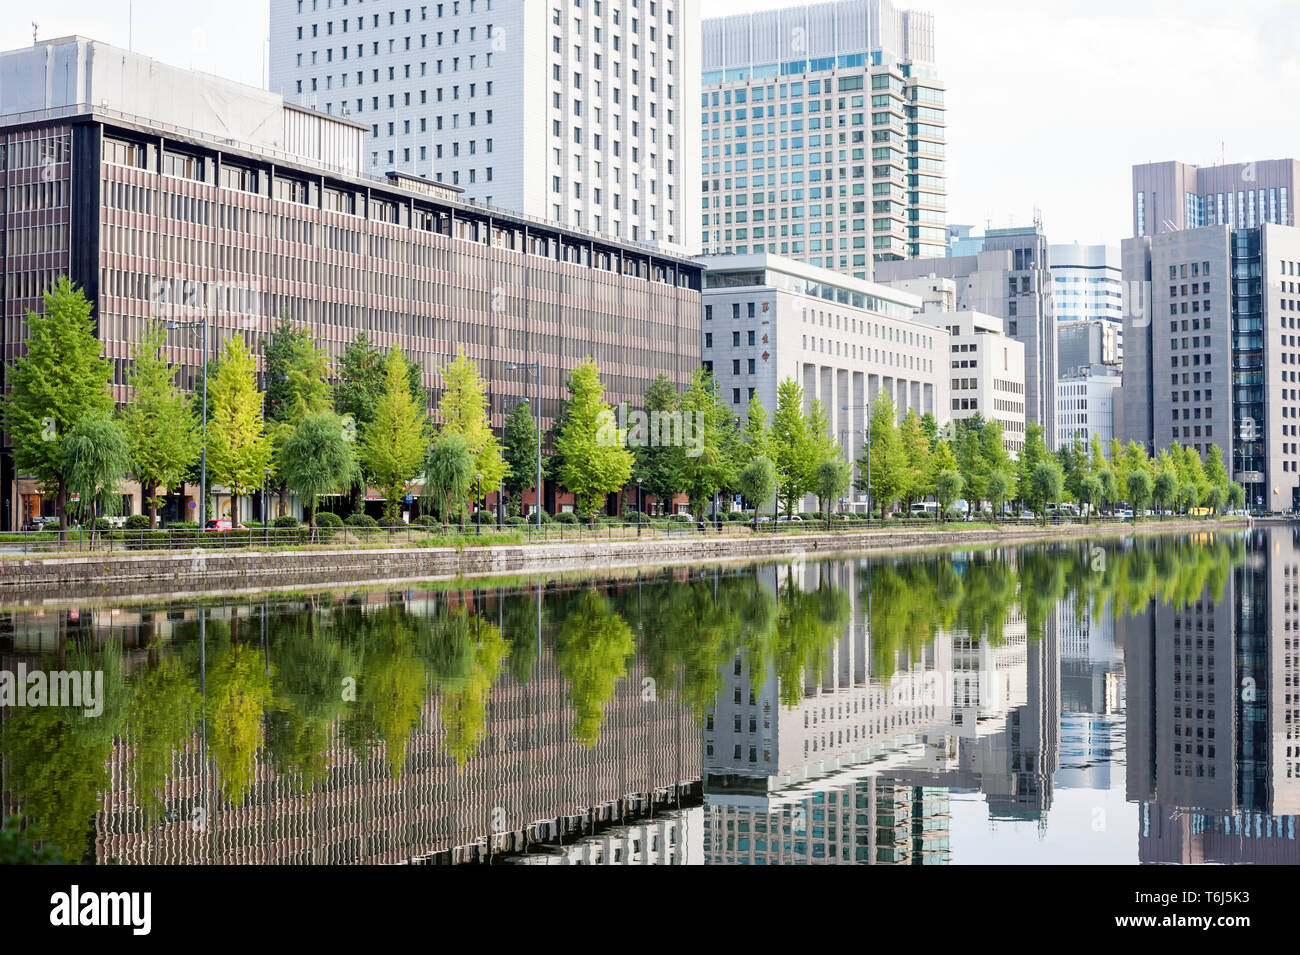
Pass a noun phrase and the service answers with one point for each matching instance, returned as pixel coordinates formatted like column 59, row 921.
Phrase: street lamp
column 638, row 507
column 535, row 368
column 266, row 505
column 202, row 325
column 478, row 496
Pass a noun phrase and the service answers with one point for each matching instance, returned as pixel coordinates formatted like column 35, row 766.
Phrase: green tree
column 833, row 476
column 1110, row 486
column 58, row 382
column 756, row 436
column 757, row 482
column 1089, row 493
column 947, row 485
column 521, row 453
column 448, row 475
column 707, row 464
column 1215, row 498
column 159, row 422
column 316, row 458
column 592, row 648
column 1164, row 489
column 594, row 460
column 918, row 477
column 1236, row 496
column 1000, row 486
column 463, row 410
column 795, row 458
column 1045, row 485
column 1139, row 491
column 238, row 451
column 884, row 461
column 1215, row 472
column 392, row 442
column 96, row 460
column 1032, row 454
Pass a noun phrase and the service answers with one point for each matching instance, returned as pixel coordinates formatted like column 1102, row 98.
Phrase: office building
column 1210, row 332
column 823, row 135
column 988, row 369
column 844, row 340
column 1087, row 283
column 1009, row 279
column 583, row 115
column 1173, row 196
column 1086, row 403
column 118, row 172
column 1086, row 343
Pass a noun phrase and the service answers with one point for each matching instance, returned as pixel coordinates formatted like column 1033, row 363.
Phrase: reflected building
column 1213, row 730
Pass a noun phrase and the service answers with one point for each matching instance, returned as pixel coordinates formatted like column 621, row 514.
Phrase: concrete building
column 1086, row 400
column 583, row 115
column 823, row 135
column 844, row 340
column 1212, row 351
column 1010, row 279
column 1085, row 343
column 155, row 219
column 988, row 369
column 1173, row 196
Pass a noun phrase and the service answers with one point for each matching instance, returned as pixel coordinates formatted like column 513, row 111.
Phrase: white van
column 925, row 509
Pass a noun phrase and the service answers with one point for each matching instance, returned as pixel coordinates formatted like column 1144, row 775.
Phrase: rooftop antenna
column 34, row 28
column 130, row 25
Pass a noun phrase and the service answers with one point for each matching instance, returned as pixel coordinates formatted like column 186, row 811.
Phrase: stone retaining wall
column 52, row 579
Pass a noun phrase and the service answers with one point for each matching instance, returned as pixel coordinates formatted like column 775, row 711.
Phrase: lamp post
column 638, row 507
column 478, row 496
column 202, row 326
column 535, row 368
column 266, row 505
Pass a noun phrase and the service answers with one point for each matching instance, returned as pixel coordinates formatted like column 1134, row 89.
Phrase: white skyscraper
column 578, row 111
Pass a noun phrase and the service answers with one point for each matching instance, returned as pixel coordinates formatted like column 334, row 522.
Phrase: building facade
column 844, row 341
column 1086, row 401
column 823, row 135
column 1087, row 283
column 1213, row 356
column 1010, row 279
column 158, row 222
column 1173, row 196
column 583, row 115
column 1086, row 343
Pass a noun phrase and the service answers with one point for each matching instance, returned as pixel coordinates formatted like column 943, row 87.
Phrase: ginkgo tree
column 594, row 461
column 463, row 410
column 238, row 449
column 393, row 444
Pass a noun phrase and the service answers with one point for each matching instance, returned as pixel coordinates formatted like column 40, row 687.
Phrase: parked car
column 221, row 524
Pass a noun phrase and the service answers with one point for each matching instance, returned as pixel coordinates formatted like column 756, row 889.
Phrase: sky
column 1050, row 102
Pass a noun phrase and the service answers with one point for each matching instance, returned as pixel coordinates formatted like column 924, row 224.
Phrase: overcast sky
column 1049, row 101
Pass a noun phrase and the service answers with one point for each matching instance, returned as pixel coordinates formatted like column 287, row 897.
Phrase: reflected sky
column 1114, row 702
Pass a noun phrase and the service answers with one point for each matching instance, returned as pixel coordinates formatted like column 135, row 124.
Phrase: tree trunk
column 61, row 502
column 234, row 509
column 152, row 504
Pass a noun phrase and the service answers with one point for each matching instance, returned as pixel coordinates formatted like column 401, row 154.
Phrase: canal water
column 1121, row 701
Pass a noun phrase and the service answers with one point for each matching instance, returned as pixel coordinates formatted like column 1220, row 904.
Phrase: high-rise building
column 1009, row 279
column 1173, row 196
column 1210, row 330
column 1086, row 401
column 1087, row 283
column 168, row 194
column 1083, row 344
column 583, row 115
column 843, row 340
column 823, row 135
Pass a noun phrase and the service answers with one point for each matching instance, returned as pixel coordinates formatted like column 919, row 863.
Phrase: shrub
column 360, row 520
column 566, row 517
column 328, row 519
column 137, row 522
column 681, row 518
column 484, row 516
column 426, row 520
column 100, row 524
column 183, row 525
column 285, row 520
column 517, row 521
column 739, row 516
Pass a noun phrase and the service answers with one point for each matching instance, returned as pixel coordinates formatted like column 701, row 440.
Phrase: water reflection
column 922, row 710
